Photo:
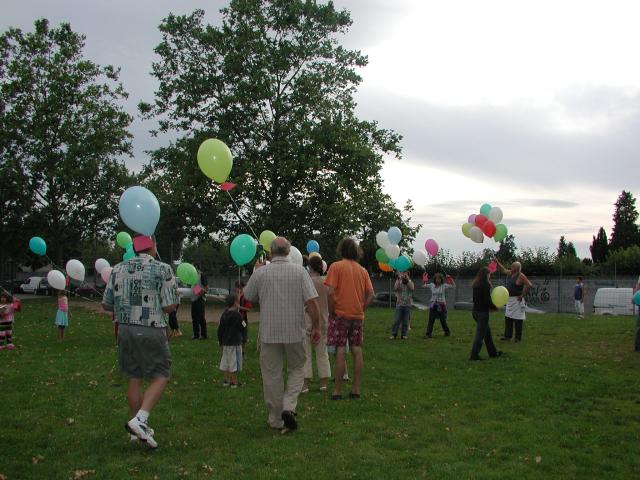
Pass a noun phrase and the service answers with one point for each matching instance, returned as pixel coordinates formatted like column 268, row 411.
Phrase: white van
column 613, row 301
column 31, row 285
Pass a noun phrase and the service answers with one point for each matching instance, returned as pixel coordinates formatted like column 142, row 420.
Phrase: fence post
column 559, row 290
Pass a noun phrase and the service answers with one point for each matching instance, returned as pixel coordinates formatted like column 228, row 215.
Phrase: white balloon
column 56, row 279
column 324, row 267
column 495, row 215
column 476, row 234
column 105, row 274
column 419, row 257
column 382, row 239
column 392, row 251
column 295, row 256
column 100, row 264
column 75, row 269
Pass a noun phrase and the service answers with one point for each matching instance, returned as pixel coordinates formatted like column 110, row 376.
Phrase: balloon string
column 239, row 216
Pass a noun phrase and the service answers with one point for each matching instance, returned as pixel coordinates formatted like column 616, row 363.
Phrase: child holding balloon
column 62, row 315
column 7, row 307
column 438, row 305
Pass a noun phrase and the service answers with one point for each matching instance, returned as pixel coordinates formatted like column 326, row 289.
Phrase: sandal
column 355, row 396
column 336, row 397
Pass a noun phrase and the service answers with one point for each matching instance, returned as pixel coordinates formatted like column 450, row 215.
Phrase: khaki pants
column 322, row 357
column 276, row 396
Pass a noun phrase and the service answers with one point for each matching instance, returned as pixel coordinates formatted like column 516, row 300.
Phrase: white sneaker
column 142, row 431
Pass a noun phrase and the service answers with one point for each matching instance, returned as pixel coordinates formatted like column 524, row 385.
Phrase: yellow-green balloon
column 266, row 238
column 215, row 160
column 466, row 228
column 499, row 296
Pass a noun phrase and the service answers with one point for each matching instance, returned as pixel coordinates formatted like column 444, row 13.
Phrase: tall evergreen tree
column 507, row 250
column 599, row 247
column 625, row 231
column 562, row 248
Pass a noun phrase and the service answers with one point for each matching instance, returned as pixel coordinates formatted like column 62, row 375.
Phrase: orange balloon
column 384, row 267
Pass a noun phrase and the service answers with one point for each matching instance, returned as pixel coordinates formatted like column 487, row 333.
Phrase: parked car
column 184, row 290
column 382, row 299
column 12, row 286
column 87, row 290
column 613, row 301
column 215, row 293
column 31, row 285
column 44, row 288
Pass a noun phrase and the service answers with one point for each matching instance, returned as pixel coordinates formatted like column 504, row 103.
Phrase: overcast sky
column 533, row 106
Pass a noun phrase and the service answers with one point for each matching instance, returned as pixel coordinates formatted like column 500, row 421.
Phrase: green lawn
column 563, row 404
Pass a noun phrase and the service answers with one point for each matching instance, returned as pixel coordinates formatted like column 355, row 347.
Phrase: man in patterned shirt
column 142, row 292
column 283, row 290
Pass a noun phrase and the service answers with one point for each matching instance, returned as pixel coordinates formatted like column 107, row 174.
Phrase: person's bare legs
column 134, row 395
column 357, row 369
column 154, row 391
column 340, row 369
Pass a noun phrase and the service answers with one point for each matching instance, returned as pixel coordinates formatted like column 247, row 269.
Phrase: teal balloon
column 128, row 253
column 636, row 298
column 243, row 249
column 187, row 273
column 485, row 209
column 381, row 256
column 392, row 263
column 38, row 246
column 403, row 263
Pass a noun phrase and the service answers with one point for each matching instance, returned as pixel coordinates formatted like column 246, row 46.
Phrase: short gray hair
column 280, row 247
column 518, row 266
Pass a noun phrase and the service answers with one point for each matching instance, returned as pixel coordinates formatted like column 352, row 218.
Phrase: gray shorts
column 143, row 352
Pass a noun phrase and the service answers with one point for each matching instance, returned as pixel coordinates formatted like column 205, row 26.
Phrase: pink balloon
column 493, row 266
column 105, row 274
column 472, row 219
column 431, row 247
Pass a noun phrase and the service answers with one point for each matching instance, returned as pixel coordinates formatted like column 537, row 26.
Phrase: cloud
column 515, row 144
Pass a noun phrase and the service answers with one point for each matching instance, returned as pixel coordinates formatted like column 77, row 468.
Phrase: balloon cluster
column 57, row 279
column 389, row 255
column 486, row 223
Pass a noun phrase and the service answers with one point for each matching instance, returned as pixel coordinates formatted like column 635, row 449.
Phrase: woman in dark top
column 482, row 304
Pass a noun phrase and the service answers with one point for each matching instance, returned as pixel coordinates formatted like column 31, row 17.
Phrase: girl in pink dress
column 62, row 315
column 7, row 307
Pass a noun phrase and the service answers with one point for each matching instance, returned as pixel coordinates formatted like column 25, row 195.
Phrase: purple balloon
column 472, row 219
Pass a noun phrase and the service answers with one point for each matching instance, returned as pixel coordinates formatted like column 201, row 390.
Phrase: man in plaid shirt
column 284, row 290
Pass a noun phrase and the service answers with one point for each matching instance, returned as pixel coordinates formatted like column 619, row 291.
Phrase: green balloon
column 243, row 248
column 123, row 239
column 187, row 273
column 501, row 232
column 215, row 160
column 266, row 238
column 485, row 209
column 381, row 256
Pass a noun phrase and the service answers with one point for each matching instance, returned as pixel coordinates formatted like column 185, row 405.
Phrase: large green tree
column 274, row 84
column 63, row 133
column 625, row 231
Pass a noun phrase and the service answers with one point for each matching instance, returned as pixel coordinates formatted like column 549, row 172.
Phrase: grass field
column 563, row 404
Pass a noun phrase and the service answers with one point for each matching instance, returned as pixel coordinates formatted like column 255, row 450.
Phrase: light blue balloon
column 313, row 246
column 403, row 263
column 395, row 235
column 140, row 210
column 38, row 245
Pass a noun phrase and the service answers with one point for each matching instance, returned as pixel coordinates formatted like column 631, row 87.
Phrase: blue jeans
column 402, row 316
column 483, row 334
